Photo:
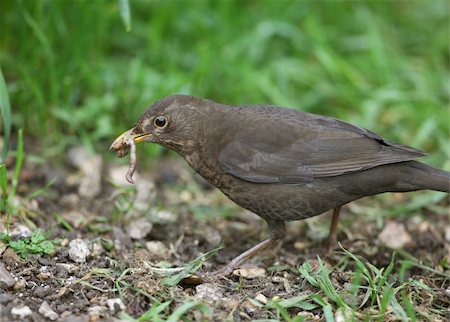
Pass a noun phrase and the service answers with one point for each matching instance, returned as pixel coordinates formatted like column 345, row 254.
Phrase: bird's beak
column 120, row 144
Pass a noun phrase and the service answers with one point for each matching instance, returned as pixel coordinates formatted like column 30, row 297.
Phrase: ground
column 118, row 247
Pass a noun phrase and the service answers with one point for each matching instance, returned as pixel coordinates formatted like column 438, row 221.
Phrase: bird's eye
column 160, row 121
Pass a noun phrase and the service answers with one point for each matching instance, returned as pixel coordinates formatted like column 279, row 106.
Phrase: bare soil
column 191, row 218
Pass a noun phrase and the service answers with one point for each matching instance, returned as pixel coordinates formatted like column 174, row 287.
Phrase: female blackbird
column 282, row 164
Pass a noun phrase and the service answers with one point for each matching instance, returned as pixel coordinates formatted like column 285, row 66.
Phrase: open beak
column 121, row 145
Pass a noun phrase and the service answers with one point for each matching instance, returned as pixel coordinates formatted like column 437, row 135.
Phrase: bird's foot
column 237, row 261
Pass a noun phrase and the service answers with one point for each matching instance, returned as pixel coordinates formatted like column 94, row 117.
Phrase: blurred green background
column 74, row 74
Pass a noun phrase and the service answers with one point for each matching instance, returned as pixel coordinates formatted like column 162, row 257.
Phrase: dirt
column 191, row 218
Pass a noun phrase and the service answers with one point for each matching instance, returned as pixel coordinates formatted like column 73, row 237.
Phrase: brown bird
column 282, row 164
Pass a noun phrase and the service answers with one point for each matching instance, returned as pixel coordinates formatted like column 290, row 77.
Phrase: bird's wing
column 330, row 148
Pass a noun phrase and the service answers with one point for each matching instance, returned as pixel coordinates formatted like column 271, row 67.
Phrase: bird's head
column 175, row 122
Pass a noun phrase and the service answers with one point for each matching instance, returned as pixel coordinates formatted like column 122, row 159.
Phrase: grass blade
column 185, row 307
column 5, row 111
column 19, row 161
column 124, row 8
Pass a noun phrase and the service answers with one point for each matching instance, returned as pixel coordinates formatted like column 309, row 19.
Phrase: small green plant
column 36, row 244
column 379, row 288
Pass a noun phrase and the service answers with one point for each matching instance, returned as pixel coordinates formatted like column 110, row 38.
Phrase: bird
column 282, row 164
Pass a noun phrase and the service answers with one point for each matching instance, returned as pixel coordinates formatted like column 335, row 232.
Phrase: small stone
column 6, row 278
column 139, row 228
column 91, row 182
column 261, row 298
column 209, row 293
column 115, row 305
column 20, row 284
column 47, row 311
column 42, row 291
column 394, row 235
column 5, row 298
column 250, row 273
column 10, row 257
column 21, row 312
column 43, row 261
column 69, row 268
column 75, row 318
column 165, row 217
column 212, row 236
column 77, row 156
column 157, row 249
column 71, row 200
column 447, row 233
column 117, row 176
column 20, row 231
column 97, row 249
column 145, row 193
column 44, row 273
column 78, row 250
column 96, row 312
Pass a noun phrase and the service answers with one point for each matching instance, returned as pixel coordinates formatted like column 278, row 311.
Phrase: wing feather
column 331, row 148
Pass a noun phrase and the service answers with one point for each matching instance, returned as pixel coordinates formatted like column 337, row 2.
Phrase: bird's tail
column 427, row 177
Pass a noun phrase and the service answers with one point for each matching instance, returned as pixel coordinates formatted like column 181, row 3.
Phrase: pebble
column 20, row 284
column 97, row 249
column 44, row 273
column 69, row 268
column 157, row 249
column 212, row 236
column 91, row 167
column 394, row 235
column 117, row 176
column 209, row 293
column 6, row 278
column 78, row 250
column 43, row 261
column 91, row 182
column 165, row 217
column 47, row 311
column 250, row 273
column 261, row 298
column 5, row 298
column 42, row 291
column 96, row 312
column 115, row 304
column 76, row 318
column 21, row 312
column 139, row 228
column 77, row 156
column 447, row 233
column 20, row 231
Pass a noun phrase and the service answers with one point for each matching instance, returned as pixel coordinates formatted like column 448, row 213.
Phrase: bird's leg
column 332, row 238
column 277, row 230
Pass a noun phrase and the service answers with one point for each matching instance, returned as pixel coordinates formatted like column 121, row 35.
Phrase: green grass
column 5, row 112
column 75, row 74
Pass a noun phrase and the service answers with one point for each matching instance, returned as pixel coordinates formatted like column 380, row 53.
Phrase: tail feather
column 427, row 177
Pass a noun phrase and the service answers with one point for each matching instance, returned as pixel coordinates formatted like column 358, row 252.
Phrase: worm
column 133, row 160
